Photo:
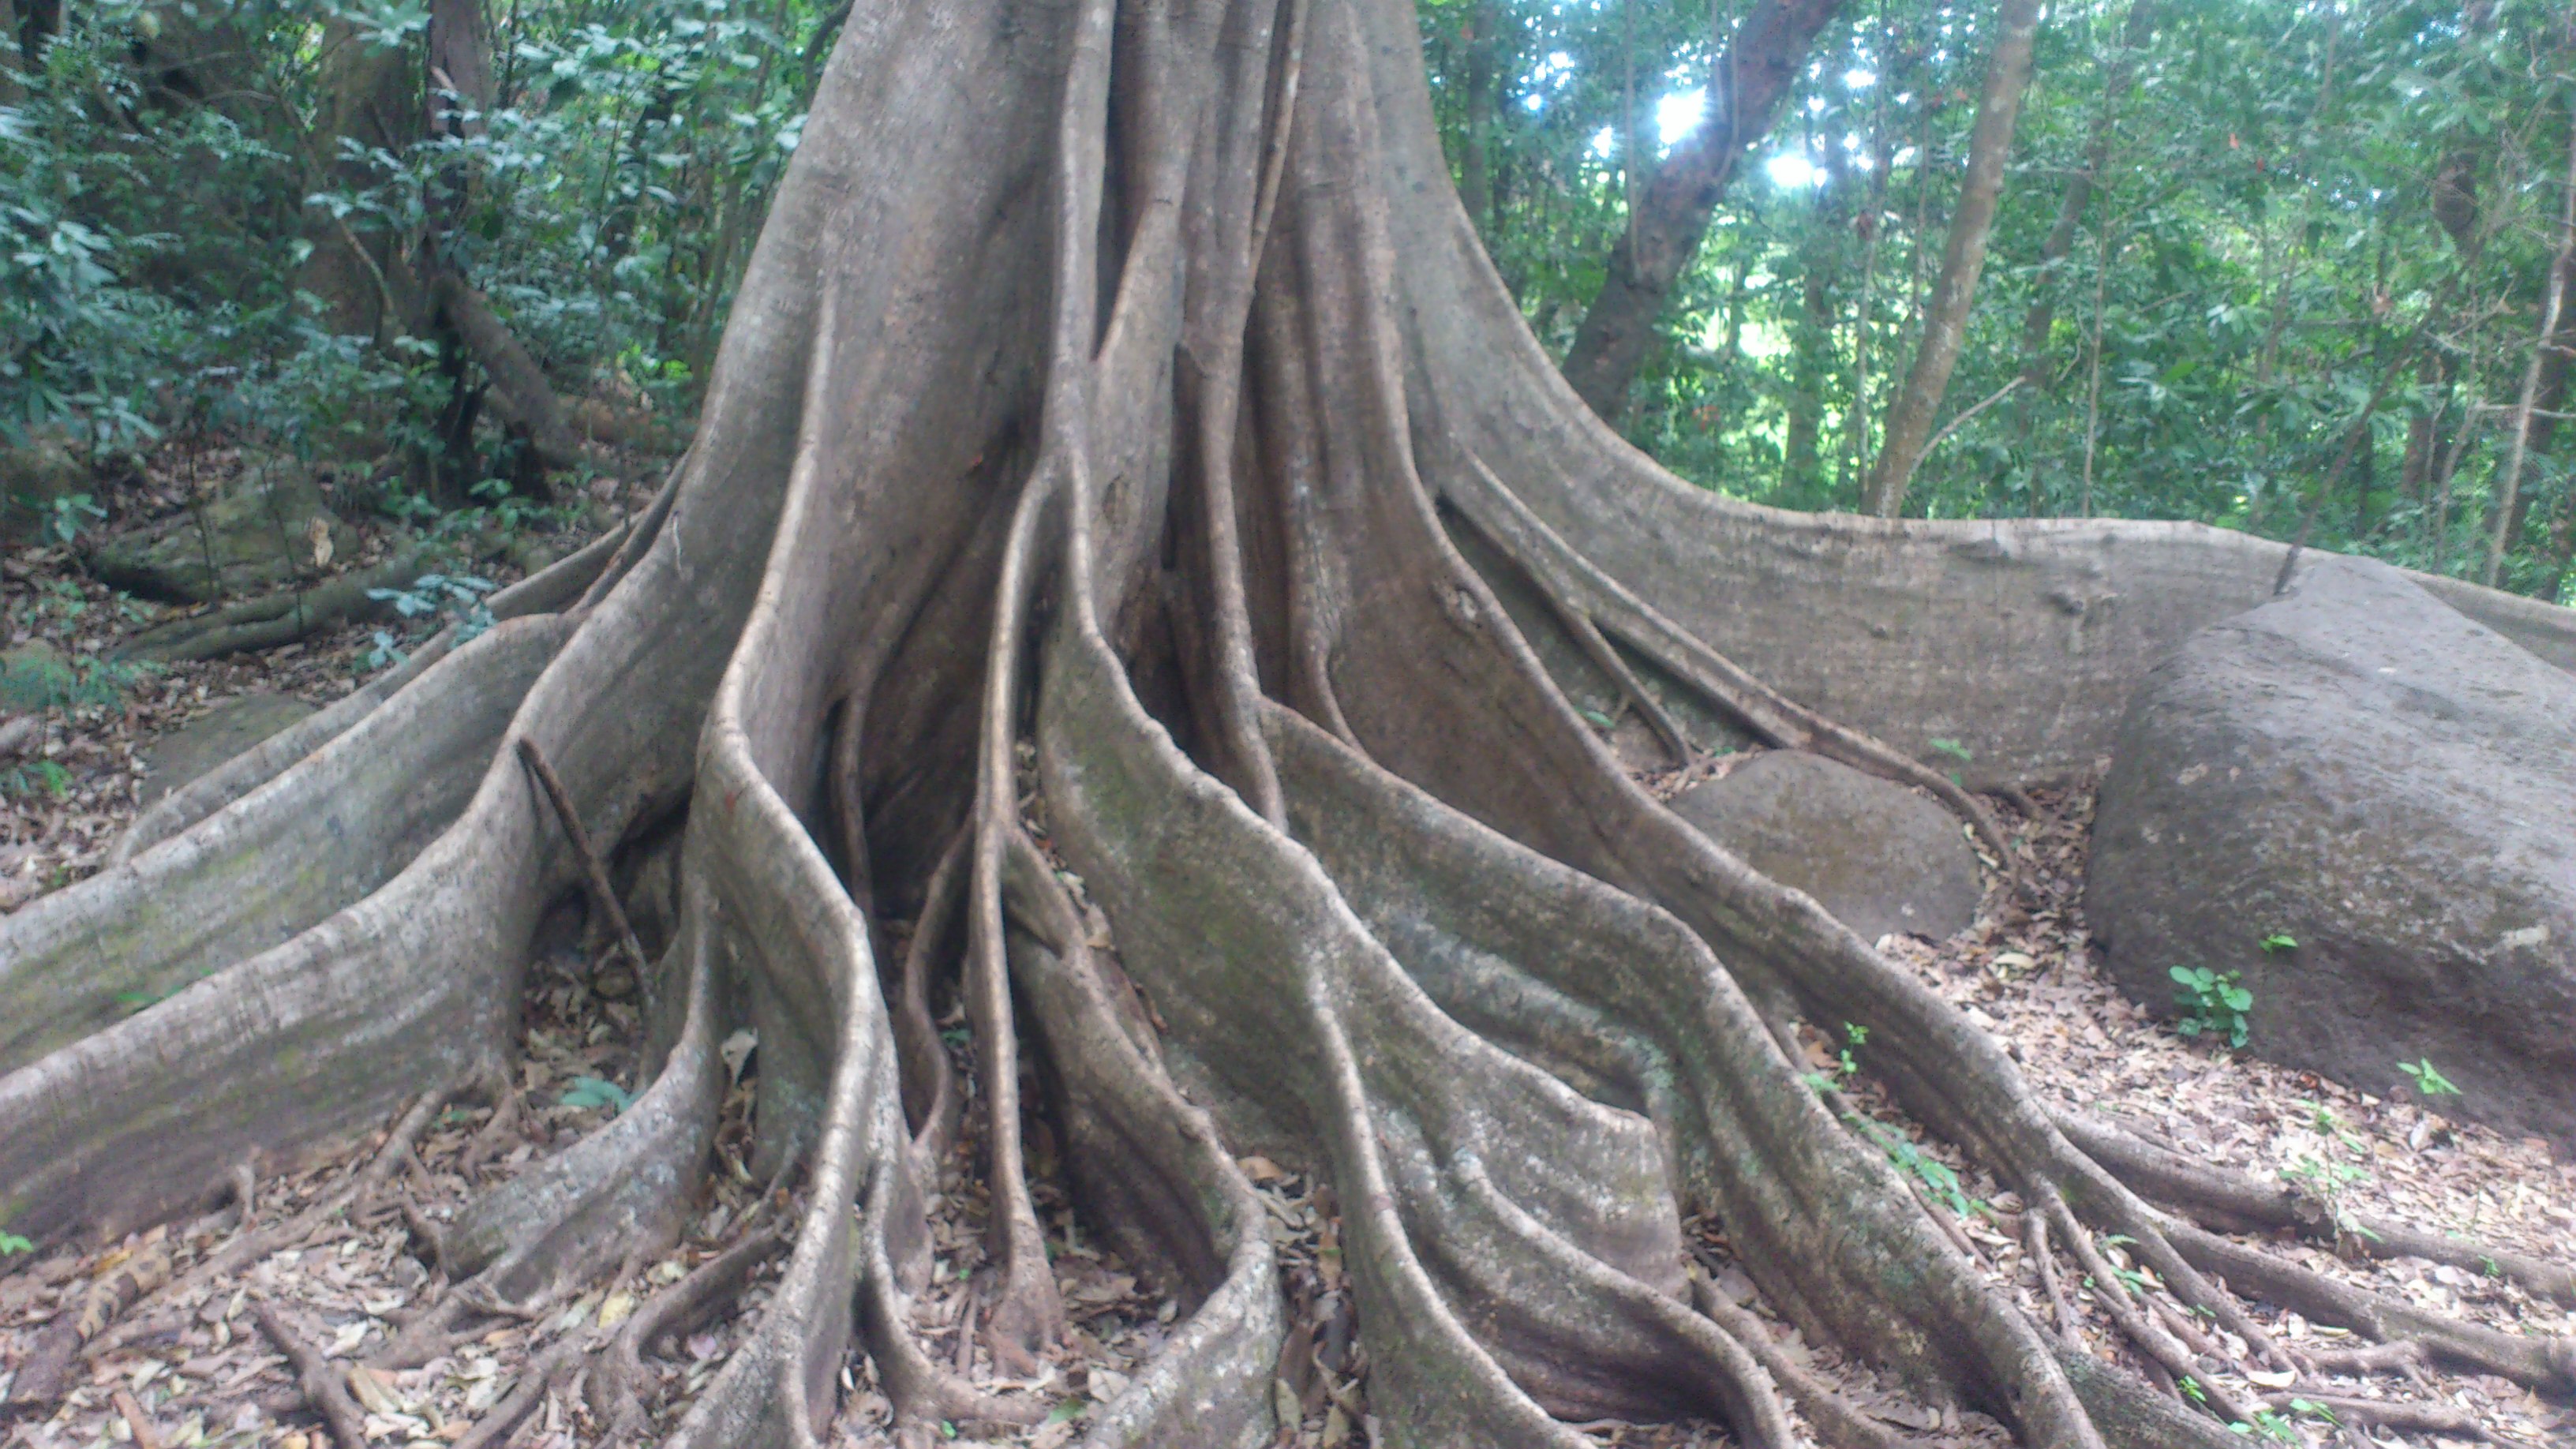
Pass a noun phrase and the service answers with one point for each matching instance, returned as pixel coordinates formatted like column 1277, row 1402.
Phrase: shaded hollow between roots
column 1070, row 527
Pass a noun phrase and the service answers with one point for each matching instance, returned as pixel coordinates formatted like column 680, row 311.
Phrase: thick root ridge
column 613, row 1197
column 1572, row 967
column 288, row 855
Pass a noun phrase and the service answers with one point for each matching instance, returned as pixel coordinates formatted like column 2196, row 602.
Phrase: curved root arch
column 1060, row 566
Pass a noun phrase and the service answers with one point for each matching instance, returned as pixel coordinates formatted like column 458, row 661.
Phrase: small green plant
column 457, row 596
column 40, row 682
column 66, row 517
column 11, row 1245
column 598, row 1092
column 386, row 651
column 19, row 781
column 2278, row 942
column 1932, row 1172
column 2213, row 1004
column 2428, row 1081
column 1847, row 1067
column 2268, row 1424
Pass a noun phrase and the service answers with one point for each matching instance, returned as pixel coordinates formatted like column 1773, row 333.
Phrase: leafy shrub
column 2213, row 1004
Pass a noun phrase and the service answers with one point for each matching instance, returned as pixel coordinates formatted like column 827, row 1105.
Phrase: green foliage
column 2428, row 1081
column 2213, row 1004
column 597, row 1092
column 11, row 1245
column 170, row 180
column 26, row 779
column 456, row 597
column 37, row 681
column 1937, row 1176
column 2259, row 253
column 65, row 517
column 2277, row 942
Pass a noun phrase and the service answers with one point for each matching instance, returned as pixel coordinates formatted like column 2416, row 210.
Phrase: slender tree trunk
column 1811, row 365
column 2042, row 316
column 2519, row 449
column 1670, row 210
column 1475, row 182
column 2103, row 253
column 1963, row 257
column 12, row 64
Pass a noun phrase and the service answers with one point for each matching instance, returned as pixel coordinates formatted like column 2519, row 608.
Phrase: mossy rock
column 265, row 530
column 34, row 476
column 232, row 726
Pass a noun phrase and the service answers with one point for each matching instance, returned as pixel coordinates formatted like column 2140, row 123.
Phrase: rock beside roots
column 2360, row 769
column 1881, row 858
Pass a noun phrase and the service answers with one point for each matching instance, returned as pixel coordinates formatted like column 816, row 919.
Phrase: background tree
column 1963, row 258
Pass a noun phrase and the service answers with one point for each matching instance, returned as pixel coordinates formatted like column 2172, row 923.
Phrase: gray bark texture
column 1063, row 566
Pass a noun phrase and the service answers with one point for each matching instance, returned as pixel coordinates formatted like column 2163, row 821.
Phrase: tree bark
column 1475, row 183
column 2041, row 318
column 1063, row 568
column 1963, row 258
column 370, row 102
column 1760, row 67
column 2553, row 304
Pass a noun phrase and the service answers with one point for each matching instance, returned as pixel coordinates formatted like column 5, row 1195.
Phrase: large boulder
column 232, row 726
column 2359, row 768
column 1883, row 859
column 265, row 529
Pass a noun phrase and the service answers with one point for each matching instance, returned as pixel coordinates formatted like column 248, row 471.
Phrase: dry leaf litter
column 190, row 1368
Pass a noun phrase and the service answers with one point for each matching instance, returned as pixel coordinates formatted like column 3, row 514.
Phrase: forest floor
column 190, row 1365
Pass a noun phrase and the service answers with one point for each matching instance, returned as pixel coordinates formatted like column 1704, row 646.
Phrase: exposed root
column 281, row 859
column 280, row 618
column 2232, row 1202
column 545, row 1374
column 2111, row 1291
column 613, row 1394
column 48, row 1369
column 2540, row 1363
column 933, row 1102
column 545, row 592
column 1577, row 589
column 322, row 1386
column 1841, row 1424
column 2409, row 1418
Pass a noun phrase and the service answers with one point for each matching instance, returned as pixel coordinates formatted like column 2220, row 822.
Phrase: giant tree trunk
column 1963, row 259
column 1071, row 504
